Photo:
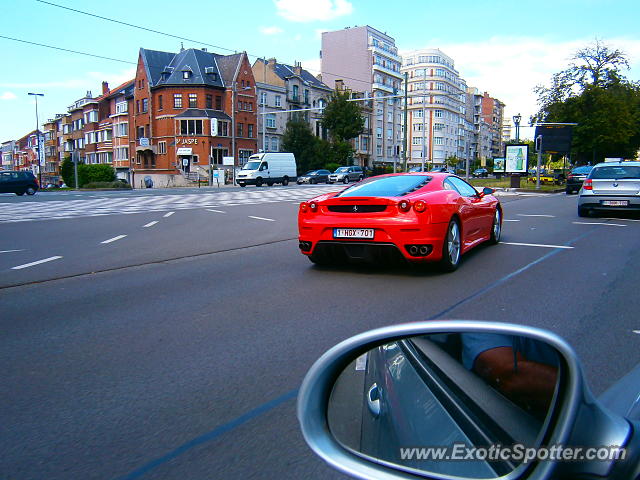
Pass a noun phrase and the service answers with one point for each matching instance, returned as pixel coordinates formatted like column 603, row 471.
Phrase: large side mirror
column 488, row 191
column 445, row 400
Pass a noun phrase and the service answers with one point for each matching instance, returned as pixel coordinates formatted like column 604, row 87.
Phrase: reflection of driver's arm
column 532, row 383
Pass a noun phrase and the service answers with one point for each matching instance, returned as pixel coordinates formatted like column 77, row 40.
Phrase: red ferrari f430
column 419, row 217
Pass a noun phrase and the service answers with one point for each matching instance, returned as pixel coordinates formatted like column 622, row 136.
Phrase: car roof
column 617, row 164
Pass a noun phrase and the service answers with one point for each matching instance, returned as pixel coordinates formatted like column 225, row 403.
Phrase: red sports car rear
column 418, row 217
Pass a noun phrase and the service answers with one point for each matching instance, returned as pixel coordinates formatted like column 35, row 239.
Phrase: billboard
column 555, row 138
column 498, row 165
column 516, row 158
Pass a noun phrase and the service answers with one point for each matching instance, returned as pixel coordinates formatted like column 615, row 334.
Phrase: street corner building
column 189, row 111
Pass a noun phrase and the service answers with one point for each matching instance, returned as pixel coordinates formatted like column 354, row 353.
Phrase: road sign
column 555, row 138
column 227, row 161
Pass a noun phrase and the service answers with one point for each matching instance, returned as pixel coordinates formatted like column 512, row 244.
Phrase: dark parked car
column 314, row 176
column 480, row 172
column 576, row 177
column 18, row 182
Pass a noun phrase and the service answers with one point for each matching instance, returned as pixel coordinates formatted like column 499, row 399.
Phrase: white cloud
column 313, row 66
column 8, row 96
column 509, row 68
column 312, row 10
column 270, row 30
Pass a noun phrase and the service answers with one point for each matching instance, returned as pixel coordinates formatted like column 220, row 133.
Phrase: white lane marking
column 600, row 223
column 150, row 224
column 261, row 218
column 44, row 260
column 623, row 219
column 168, row 214
column 546, row 216
column 9, row 251
column 509, row 220
column 215, row 211
column 114, row 239
column 536, row 245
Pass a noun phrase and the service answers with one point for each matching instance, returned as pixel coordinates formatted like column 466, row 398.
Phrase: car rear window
column 581, row 170
column 395, row 186
column 615, row 172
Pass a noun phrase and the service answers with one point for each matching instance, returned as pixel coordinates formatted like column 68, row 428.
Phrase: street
column 164, row 334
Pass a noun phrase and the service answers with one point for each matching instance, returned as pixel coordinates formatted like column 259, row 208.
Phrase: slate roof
column 203, row 113
column 164, row 68
column 287, row 71
column 229, row 66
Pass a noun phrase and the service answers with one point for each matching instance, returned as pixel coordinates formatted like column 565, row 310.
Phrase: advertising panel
column 516, row 158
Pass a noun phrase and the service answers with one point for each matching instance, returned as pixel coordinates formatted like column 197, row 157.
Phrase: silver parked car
column 347, row 174
column 611, row 186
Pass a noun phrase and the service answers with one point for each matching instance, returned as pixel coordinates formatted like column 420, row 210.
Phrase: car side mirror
column 488, row 191
column 455, row 399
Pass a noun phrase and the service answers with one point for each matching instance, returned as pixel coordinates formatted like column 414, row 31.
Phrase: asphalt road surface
column 176, row 348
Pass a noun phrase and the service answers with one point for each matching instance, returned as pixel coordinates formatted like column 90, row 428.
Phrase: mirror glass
column 464, row 405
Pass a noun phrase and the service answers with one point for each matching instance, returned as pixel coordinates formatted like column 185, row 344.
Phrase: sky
column 505, row 48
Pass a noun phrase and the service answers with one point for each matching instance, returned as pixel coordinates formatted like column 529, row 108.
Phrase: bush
column 117, row 184
column 96, row 173
column 332, row 167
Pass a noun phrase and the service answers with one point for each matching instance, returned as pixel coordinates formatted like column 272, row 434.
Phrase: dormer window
column 186, row 74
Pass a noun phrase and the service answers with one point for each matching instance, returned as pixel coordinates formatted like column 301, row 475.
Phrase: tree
column 299, row 140
column 593, row 93
column 66, row 172
column 344, row 121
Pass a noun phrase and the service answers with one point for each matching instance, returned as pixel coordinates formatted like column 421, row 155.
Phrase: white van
column 269, row 168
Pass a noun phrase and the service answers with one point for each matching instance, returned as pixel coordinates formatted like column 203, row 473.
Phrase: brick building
column 190, row 110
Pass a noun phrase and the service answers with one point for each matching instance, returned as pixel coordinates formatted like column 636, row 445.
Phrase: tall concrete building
column 367, row 61
column 436, row 109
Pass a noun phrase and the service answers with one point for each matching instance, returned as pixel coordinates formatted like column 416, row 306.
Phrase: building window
column 438, row 140
column 193, row 100
column 278, row 101
column 122, row 129
column 162, row 148
column 159, row 102
column 244, row 156
column 306, row 96
column 263, row 98
column 271, row 120
column 250, row 130
column 379, row 150
column 122, row 153
column 223, row 128
column 122, row 107
column 274, row 144
column 437, row 113
column 218, row 102
column 416, row 140
column 295, row 93
column 190, row 127
column 145, row 105
column 137, row 106
column 379, row 132
column 186, row 74
column 240, row 131
column 208, row 101
column 177, row 100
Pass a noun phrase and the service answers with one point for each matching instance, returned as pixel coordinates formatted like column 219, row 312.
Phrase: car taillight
column 304, row 206
column 404, row 205
column 570, row 177
column 419, row 206
column 313, row 206
column 588, row 184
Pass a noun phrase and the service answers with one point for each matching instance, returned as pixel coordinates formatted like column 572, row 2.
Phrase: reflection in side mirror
column 487, row 191
column 418, row 403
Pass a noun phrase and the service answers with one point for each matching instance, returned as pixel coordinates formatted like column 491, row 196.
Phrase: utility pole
column 38, row 153
column 406, row 116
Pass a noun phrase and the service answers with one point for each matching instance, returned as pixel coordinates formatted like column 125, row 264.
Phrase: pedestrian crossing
column 51, row 210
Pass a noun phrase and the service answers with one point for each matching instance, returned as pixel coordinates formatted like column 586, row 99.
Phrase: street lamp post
column 36, row 95
column 516, row 121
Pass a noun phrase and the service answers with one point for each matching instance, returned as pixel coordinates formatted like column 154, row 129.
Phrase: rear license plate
column 353, row 233
column 615, row 203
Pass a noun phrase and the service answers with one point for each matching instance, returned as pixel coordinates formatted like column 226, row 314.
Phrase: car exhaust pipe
column 413, row 250
column 424, row 250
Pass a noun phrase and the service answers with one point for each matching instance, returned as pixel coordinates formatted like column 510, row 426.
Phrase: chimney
column 339, row 84
column 271, row 62
column 105, row 88
column 297, row 68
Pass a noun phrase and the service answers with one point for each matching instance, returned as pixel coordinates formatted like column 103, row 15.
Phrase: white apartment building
column 367, row 61
column 436, row 108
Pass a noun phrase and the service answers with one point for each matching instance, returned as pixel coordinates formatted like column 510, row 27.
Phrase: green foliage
column 86, row 173
column 342, row 118
column 593, row 93
column 66, row 172
column 119, row 185
column 299, row 140
column 453, row 161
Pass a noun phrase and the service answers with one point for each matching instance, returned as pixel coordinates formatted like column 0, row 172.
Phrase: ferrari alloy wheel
column 496, row 228
column 451, row 247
